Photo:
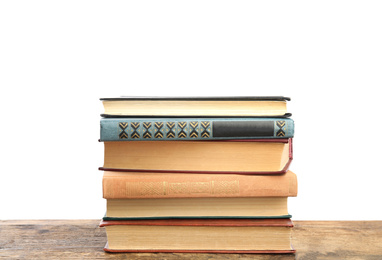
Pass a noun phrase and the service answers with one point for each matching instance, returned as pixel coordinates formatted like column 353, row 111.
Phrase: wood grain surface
column 83, row 239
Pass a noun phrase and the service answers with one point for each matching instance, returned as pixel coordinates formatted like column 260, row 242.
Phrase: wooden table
column 83, row 239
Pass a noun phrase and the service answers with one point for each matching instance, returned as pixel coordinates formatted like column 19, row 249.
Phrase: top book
column 230, row 106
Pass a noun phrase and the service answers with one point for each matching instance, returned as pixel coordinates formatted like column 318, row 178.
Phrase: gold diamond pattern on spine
column 123, row 134
column 194, row 129
column 226, row 187
column 123, row 125
column 146, row 133
column 280, row 124
column 182, row 126
column 205, row 129
column 158, row 130
column 145, row 188
column 181, row 188
column 282, row 128
column 170, row 127
column 135, row 133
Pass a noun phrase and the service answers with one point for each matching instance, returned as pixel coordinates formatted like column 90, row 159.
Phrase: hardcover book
column 175, row 195
column 255, row 156
column 271, row 106
column 139, row 129
column 251, row 207
column 148, row 185
column 200, row 235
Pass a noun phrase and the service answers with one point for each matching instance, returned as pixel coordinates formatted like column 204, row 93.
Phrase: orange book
column 176, row 195
column 254, row 156
column 200, row 236
column 132, row 185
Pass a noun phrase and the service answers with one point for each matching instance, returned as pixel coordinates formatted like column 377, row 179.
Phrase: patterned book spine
column 136, row 129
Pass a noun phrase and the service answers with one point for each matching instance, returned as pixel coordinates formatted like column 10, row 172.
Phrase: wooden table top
column 83, row 239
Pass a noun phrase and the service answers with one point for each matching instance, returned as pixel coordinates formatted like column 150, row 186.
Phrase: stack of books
column 197, row 174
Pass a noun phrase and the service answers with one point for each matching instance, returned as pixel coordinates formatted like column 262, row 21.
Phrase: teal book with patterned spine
column 136, row 129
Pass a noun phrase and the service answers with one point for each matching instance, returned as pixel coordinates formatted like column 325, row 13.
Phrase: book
column 175, row 195
column 148, row 185
column 252, row 207
column 199, row 235
column 139, row 129
column 266, row 106
column 255, row 156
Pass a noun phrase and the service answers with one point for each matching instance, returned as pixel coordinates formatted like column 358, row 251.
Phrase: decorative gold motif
column 205, row 135
column 123, row 125
column 169, row 130
column 226, row 187
column 182, row 124
column 163, row 188
column 170, row 124
column 158, row 135
column 281, row 131
column 158, row 128
column 123, row 135
column 135, row 125
column 280, row 123
column 189, row 187
column 170, row 135
column 146, row 188
column 205, row 124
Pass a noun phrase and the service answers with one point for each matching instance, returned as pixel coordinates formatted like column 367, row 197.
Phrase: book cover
column 159, row 129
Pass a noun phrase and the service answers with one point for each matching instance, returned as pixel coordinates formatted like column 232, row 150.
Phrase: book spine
column 138, row 129
column 117, row 185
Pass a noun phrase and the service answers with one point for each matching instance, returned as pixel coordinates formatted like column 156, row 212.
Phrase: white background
column 57, row 58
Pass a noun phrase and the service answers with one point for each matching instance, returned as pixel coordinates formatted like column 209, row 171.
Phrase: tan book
column 273, row 207
column 176, row 195
column 256, row 156
column 148, row 185
column 200, row 235
column 196, row 106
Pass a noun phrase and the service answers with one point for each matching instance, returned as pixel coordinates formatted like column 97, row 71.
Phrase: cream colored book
column 196, row 106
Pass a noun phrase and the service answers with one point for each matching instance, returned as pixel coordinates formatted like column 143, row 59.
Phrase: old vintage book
column 139, row 129
column 196, row 106
column 255, row 156
column 252, row 207
column 175, row 195
column 200, row 235
column 148, row 185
